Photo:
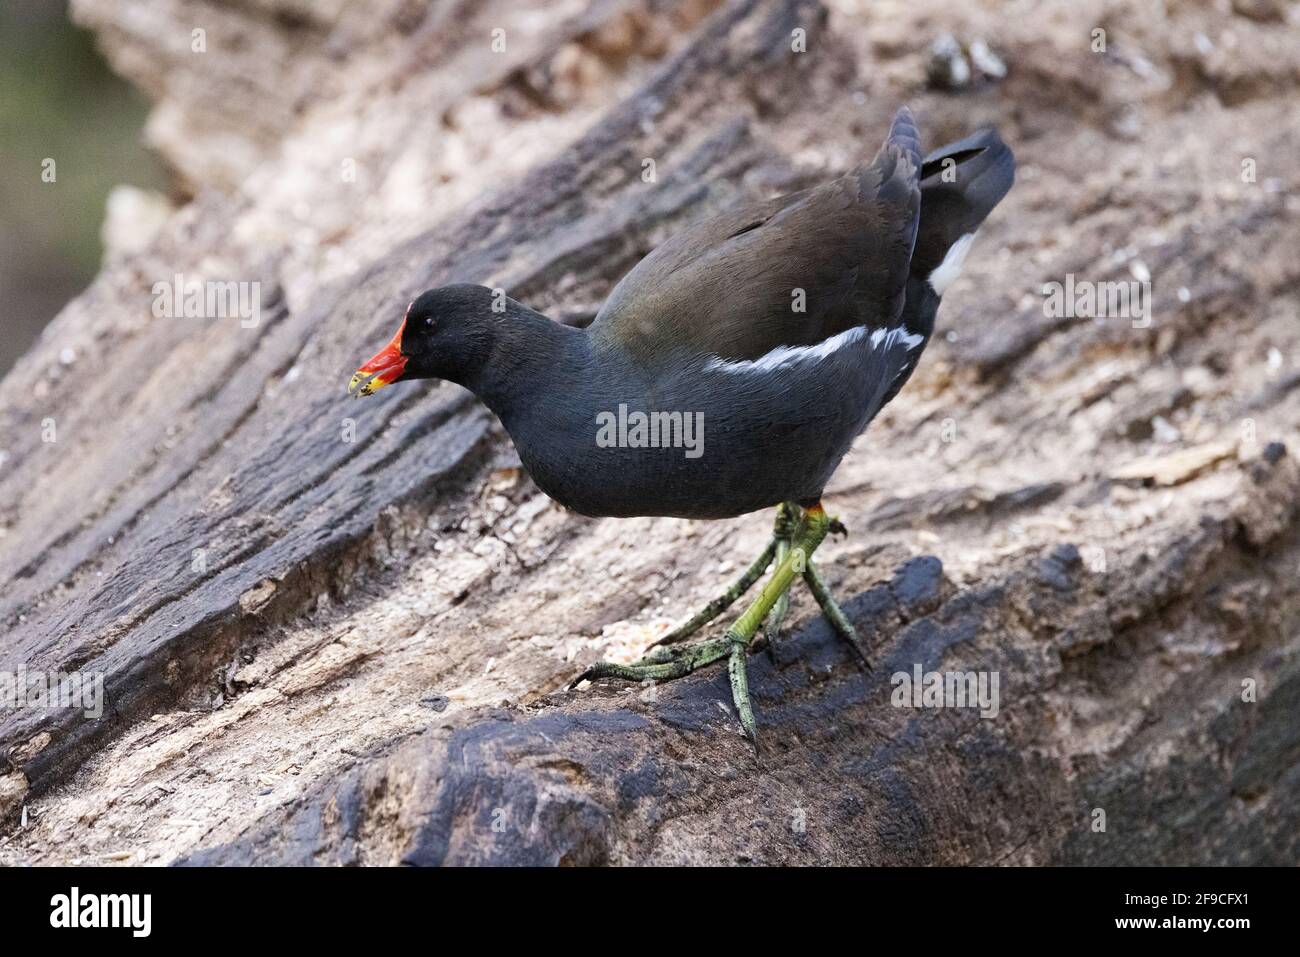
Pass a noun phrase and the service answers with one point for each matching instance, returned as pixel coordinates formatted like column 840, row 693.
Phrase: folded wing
column 792, row 271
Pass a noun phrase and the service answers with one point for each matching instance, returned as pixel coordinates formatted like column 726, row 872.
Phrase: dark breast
column 710, row 441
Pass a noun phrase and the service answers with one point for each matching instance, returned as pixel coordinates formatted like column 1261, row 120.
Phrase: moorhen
column 729, row 371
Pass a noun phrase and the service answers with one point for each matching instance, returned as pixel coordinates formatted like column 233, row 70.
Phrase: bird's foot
column 663, row 663
column 794, row 542
column 724, row 601
column 786, row 526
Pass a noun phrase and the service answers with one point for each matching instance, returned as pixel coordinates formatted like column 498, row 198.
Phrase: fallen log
column 340, row 633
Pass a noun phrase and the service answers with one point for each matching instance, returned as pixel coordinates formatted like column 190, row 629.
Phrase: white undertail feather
column 946, row 273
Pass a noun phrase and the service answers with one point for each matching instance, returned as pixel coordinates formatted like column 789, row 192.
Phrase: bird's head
column 447, row 333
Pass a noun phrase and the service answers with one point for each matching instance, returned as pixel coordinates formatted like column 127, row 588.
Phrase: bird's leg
column 787, row 525
column 839, row 621
column 810, row 535
column 724, row 601
column 669, row 661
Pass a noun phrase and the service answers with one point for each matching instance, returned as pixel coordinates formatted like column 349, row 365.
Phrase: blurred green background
column 58, row 99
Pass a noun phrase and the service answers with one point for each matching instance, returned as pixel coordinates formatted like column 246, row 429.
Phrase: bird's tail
column 903, row 135
column 960, row 185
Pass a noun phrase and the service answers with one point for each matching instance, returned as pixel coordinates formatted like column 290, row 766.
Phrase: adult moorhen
column 730, row 370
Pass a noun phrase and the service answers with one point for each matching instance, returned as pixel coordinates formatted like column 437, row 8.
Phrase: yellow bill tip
column 370, row 383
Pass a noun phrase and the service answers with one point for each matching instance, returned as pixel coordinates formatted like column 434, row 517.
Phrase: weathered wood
column 321, row 650
column 230, row 443
column 843, row 777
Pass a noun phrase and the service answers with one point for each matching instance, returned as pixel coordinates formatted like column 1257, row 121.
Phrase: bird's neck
column 531, row 356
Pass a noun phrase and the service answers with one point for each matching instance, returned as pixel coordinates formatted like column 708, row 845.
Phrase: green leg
column 787, row 526
column 668, row 661
column 776, row 618
column 793, row 558
column 839, row 621
column 724, row 601
column 816, row 522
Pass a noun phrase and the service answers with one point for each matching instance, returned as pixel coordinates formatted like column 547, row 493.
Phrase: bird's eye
column 428, row 321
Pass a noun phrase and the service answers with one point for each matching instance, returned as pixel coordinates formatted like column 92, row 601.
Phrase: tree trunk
column 339, row 632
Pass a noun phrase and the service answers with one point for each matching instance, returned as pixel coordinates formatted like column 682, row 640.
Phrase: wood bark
column 340, row 632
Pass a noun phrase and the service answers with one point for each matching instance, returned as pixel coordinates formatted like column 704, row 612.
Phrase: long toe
column 740, row 690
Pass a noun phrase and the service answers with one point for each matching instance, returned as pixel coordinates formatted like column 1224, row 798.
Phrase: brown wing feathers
column 785, row 272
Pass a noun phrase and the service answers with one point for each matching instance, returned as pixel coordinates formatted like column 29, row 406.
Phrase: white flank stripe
column 889, row 336
column 946, row 273
column 787, row 355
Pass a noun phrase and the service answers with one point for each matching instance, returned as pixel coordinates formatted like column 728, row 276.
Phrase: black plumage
column 780, row 327
column 729, row 371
